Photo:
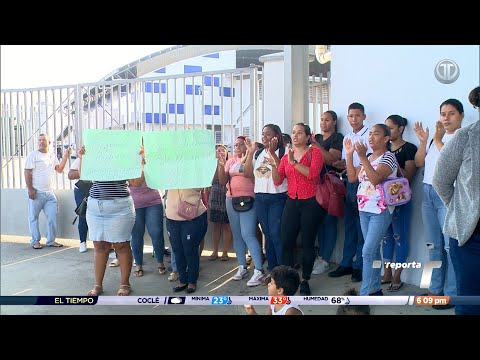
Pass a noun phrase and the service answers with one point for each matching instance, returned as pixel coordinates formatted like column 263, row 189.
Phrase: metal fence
column 223, row 101
column 229, row 102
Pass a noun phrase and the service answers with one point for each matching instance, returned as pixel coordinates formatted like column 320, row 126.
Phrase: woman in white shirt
column 433, row 210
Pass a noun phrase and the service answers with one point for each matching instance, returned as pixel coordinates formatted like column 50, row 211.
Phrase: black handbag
column 84, row 186
column 241, row 203
column 81, row 209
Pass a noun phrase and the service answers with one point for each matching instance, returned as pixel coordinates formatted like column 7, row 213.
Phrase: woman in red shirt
column 302, row 212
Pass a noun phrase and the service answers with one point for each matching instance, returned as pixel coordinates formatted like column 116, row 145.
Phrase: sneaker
column 241, row 273
column 173, row 276
column 305, row 288
column 341, row 271
column 320, row 266
column 83, row 247
column 256, row 279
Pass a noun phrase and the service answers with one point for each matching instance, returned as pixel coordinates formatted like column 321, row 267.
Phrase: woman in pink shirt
column 302, row 212
column 243, row 224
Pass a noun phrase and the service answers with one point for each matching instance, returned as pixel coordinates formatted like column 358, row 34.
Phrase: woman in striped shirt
column 375, row 215
column 110, row 218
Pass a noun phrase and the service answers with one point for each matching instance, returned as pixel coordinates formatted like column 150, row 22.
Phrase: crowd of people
column 274, row 184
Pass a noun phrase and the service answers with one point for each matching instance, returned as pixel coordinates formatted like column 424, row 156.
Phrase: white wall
column 391, row 79
column 273, row 92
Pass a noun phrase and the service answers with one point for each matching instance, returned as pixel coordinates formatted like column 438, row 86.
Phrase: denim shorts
column 110, row 220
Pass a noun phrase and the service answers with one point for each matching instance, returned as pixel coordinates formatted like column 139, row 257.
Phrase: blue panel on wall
column 148, row 87
column 187, row 69
column 215, row 56
column 180, row 108
column 156, row 118
column 162, row 70
column 208, row 81
column 189, row 89
column 208, row 110
column 227, row 91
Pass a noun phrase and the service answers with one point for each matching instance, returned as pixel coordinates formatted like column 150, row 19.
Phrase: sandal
column 213, row 257
column 124, row 290
column 97, row 290
column 55, row 244
column 224, row 257
column 138, row 273
column 162, row 270
column 394, row 287
column 37, row 246
column 114, row 263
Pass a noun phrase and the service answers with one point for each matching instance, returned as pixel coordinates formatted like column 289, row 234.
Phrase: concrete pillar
column 296, row 86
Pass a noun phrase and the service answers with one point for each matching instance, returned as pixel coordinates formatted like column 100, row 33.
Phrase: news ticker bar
column 240, row 300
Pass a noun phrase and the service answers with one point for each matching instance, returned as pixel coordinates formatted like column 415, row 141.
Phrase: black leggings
column 304, row 215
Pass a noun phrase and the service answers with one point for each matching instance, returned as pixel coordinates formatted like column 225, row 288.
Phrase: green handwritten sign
column 111, row 155
column 181, row 159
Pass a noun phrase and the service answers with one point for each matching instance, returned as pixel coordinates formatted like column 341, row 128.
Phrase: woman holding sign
column 110, row 218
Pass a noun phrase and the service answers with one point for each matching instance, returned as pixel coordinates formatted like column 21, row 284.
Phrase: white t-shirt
column 362, row 136
column 431, row 159
column 284, row 309
column 43, row 169
column 262, row 171
column 76, row 164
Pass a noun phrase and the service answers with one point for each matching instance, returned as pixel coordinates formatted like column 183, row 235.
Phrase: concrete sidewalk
column 67, row 272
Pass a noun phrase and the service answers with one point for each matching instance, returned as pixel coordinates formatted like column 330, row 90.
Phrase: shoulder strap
column 431, row 142
column 399, row 168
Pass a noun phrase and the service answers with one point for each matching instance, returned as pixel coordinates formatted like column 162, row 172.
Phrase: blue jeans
column 433, row 214
column 243, row 226
column 173, row 261
column 374, row 227
column 353, row 232
column 152, row 217
column 82, row 222
column 269, row 208
column 397, row 234
column 46, row 201
column 185, row 237
column 466, row 261
column 327, row 236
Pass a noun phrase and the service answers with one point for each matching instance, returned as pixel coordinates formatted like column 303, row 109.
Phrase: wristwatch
column 295, row 162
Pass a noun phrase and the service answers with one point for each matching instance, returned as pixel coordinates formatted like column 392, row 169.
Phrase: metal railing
column 230, row 102
column 227, row 98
